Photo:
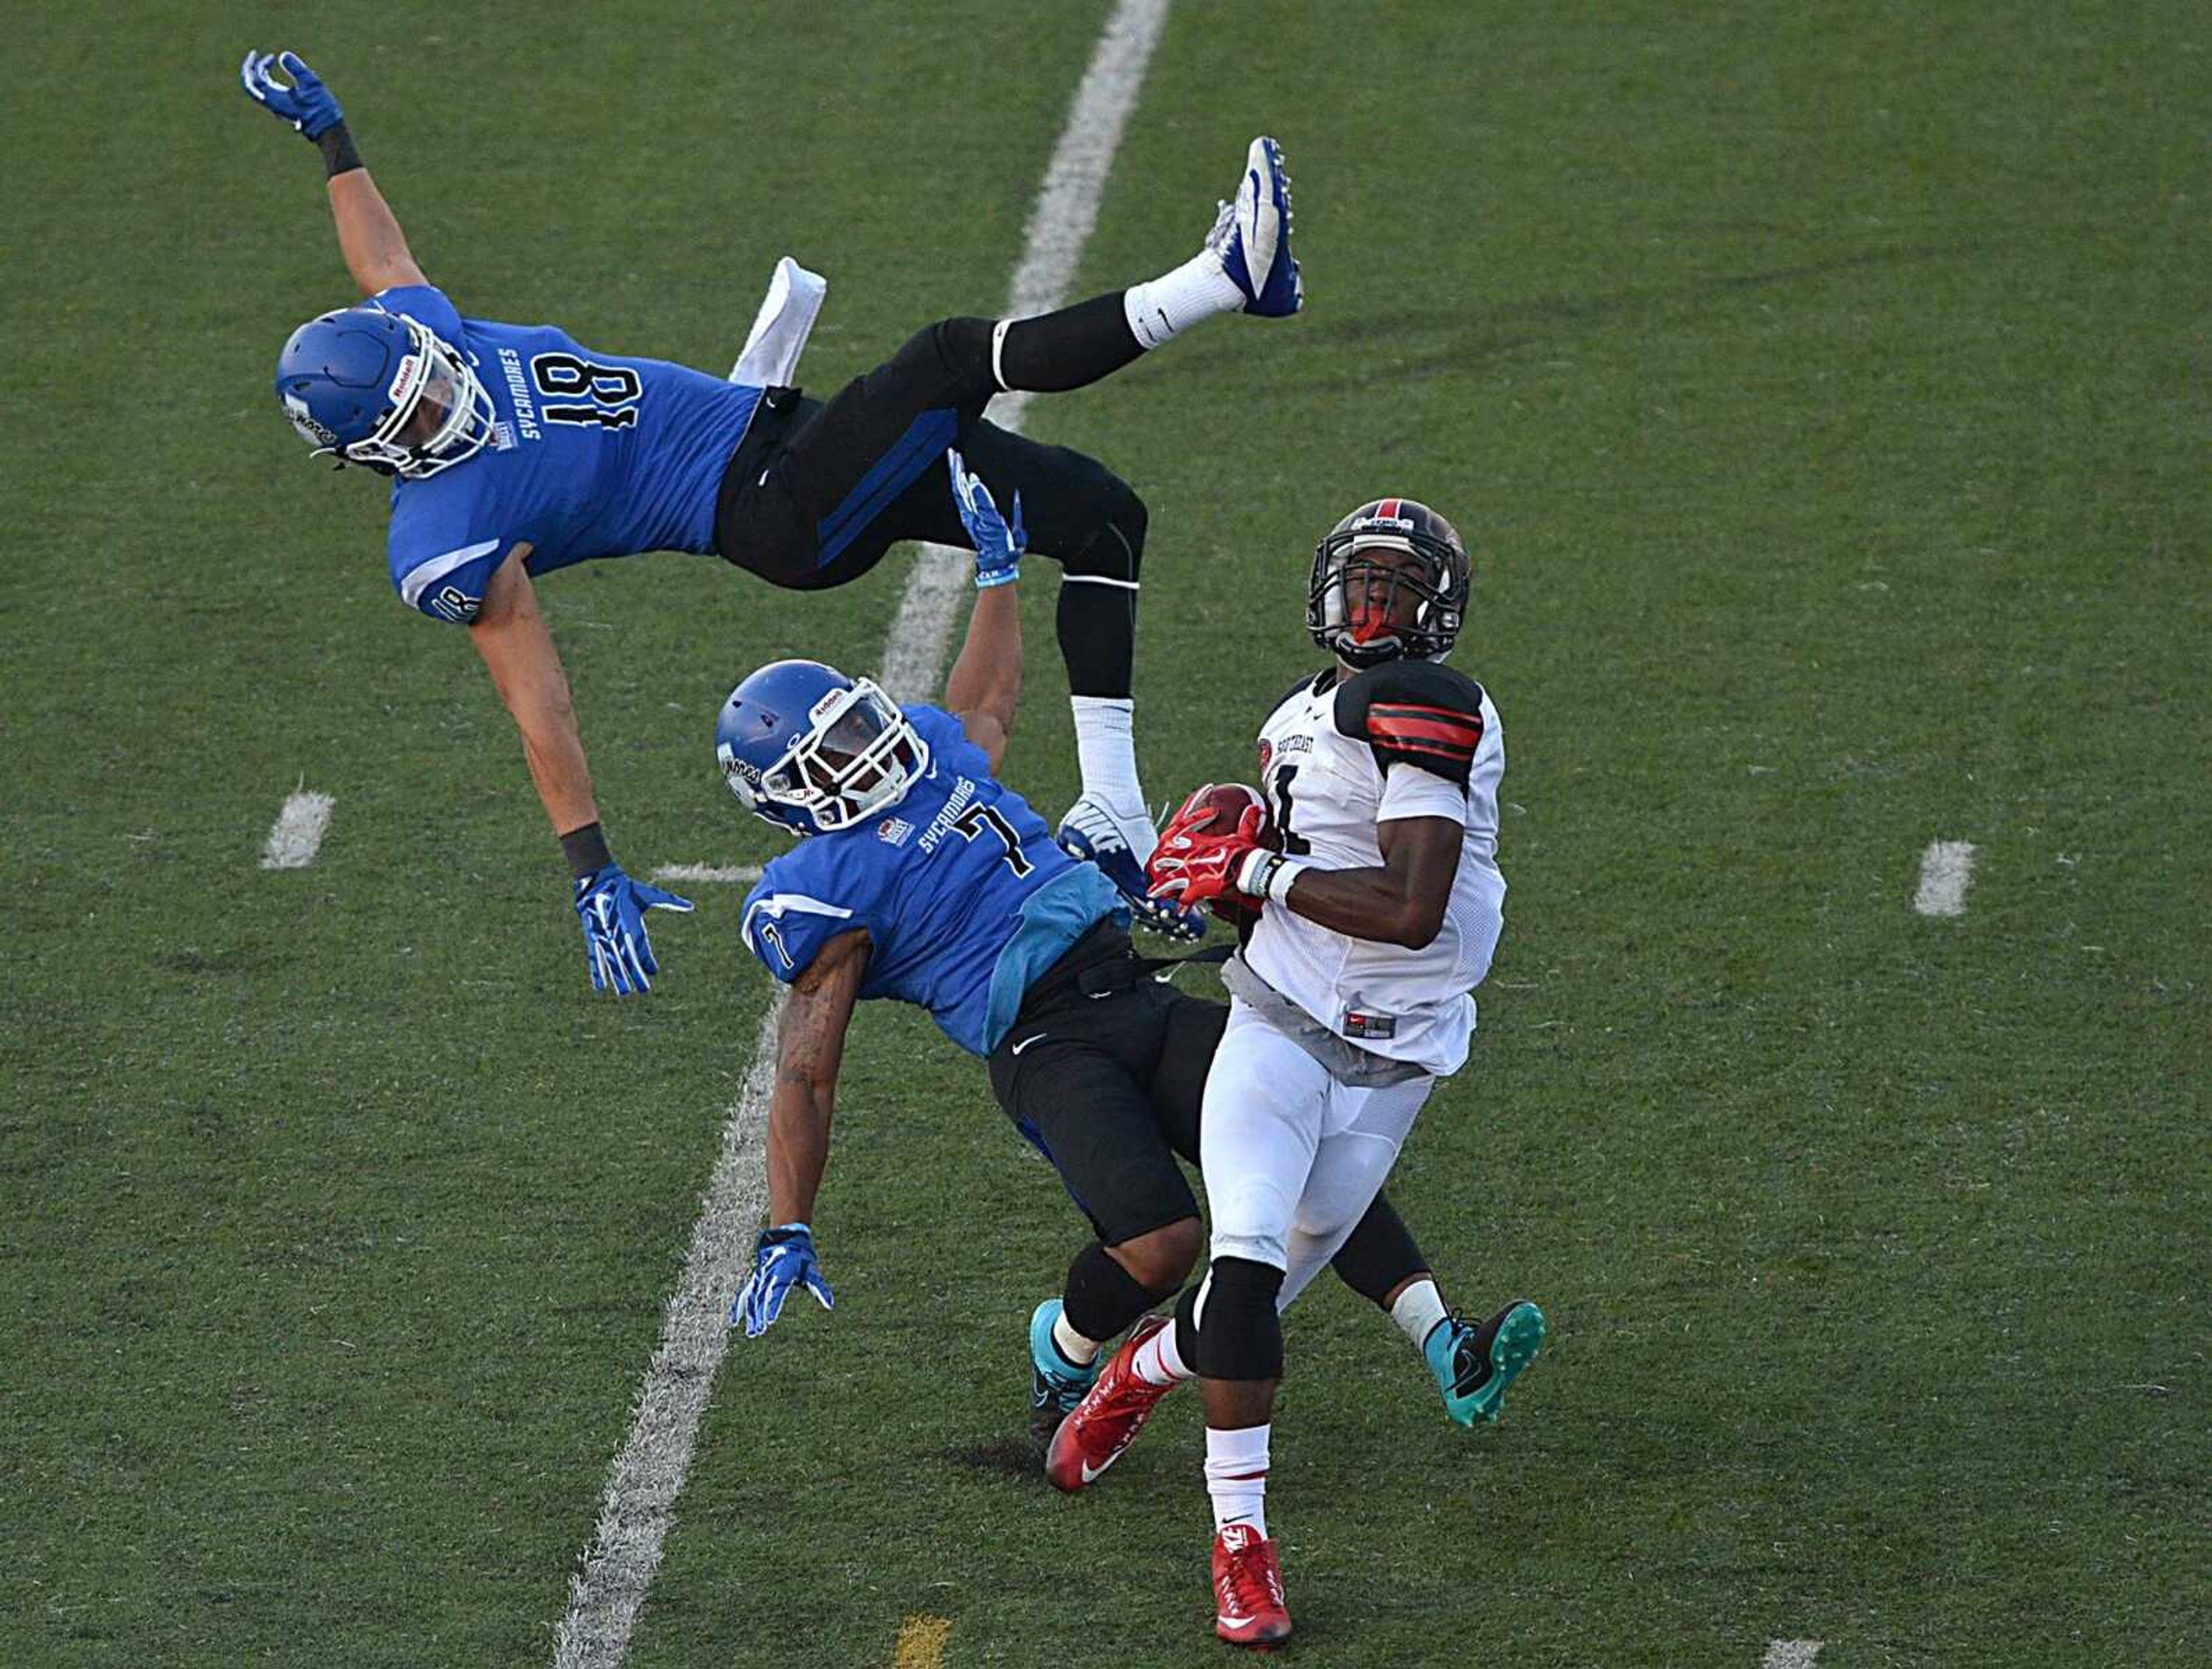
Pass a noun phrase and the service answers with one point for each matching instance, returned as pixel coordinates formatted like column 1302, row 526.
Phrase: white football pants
column 1292, row 1158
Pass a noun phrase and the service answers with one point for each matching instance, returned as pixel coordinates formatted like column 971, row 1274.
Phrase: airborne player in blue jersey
column 515, row 451
column 922, row 878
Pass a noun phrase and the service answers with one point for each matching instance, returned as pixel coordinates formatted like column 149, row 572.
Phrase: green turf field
column 1825, row 398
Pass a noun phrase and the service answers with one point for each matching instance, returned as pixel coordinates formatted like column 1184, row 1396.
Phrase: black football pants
column 819, row 490
column 1103, row 1071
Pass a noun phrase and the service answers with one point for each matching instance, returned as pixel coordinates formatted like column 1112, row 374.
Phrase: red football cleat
column 1109, row 1418
column 1248, row 1588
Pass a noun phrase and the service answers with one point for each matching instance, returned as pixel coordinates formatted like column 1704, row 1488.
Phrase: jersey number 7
column 977, row 818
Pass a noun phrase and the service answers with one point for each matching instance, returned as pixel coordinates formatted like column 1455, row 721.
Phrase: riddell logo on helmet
column 1386, row 523
column 413, row 368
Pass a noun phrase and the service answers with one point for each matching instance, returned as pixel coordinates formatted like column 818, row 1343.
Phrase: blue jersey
column 965, row 896
column 590, row 455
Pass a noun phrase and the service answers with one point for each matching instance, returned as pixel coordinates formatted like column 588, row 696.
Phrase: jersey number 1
column 1296, row 845
column 978, row 817
column 613, row 391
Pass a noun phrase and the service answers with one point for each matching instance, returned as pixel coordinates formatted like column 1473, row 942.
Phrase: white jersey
column 1337, row 758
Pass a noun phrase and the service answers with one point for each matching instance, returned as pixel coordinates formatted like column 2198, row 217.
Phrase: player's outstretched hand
column 783, row 1258
column 311, row 107
column 1192, row 864
column 999, row 547
column 612, row 908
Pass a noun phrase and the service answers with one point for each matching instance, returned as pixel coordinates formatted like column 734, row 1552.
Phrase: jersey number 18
column 613, row 391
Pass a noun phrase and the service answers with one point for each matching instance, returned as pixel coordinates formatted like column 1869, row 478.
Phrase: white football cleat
column 1252, row 236
column 1093, row 833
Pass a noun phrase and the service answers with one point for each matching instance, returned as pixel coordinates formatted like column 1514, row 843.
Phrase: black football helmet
column 1416, row 558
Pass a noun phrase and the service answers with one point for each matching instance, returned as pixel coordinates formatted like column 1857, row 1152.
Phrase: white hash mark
column 298, row 831
column 1946, row 868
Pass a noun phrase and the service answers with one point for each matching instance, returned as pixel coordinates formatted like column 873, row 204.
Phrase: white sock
column 1237, row 1477
column 1157, row 1361
column 1106, row 750
column 1417, row 1312
column 1174, row 302
column 1080, row 1352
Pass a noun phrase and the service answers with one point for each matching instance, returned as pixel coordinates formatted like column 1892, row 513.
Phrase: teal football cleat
column 1473, row 1366
column 1056, row 1384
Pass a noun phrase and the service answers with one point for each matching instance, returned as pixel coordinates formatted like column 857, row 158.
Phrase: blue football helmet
column 353, row 381
column 814, row 751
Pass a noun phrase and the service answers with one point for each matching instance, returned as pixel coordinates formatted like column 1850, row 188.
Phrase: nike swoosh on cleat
column 1088, row 1474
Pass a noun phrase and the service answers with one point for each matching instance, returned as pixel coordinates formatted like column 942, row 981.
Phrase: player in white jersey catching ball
column 1372, row 866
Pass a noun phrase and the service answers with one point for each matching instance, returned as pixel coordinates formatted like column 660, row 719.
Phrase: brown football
column 1227, row 801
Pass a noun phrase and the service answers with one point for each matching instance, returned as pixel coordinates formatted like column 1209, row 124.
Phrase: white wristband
column 1268, row 875
column 1252, row 873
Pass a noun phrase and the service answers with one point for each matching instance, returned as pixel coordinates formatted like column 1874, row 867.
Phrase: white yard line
column 1946, row 868
column 298, row 831
column 1790, row 1654
column 606, row 1595
column 708, row 874
column 1065, row 209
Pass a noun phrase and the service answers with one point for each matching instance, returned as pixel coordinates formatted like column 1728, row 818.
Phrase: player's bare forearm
column 517, row 647
column 1403, row 902
column 985, row 685
column 809, row 1046
column 376, row 249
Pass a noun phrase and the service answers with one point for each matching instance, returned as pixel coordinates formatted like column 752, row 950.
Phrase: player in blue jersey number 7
column 922, row 878
column 514, row 451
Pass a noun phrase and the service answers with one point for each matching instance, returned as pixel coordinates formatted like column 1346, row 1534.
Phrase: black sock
column 1380, row 1254
column 1069, row 349
column 1095, row 618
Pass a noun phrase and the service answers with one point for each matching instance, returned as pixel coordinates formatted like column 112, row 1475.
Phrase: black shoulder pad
column 1414, row 713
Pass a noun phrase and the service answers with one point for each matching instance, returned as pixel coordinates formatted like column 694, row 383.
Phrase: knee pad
column 1102, row 1297
column 963, row 346
column 1240, row 1336
column 1115, row 548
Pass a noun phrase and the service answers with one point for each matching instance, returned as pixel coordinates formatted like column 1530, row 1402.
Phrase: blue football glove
column 783, row 1256
column 999, row 547
column 306, row 104
column 613, row 908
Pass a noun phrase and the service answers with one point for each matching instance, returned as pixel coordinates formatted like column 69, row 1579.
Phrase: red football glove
column 1191, row 864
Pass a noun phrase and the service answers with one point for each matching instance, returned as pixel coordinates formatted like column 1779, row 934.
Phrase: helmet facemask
column 858, row 756
column 1379, row 593
column 430, row 376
